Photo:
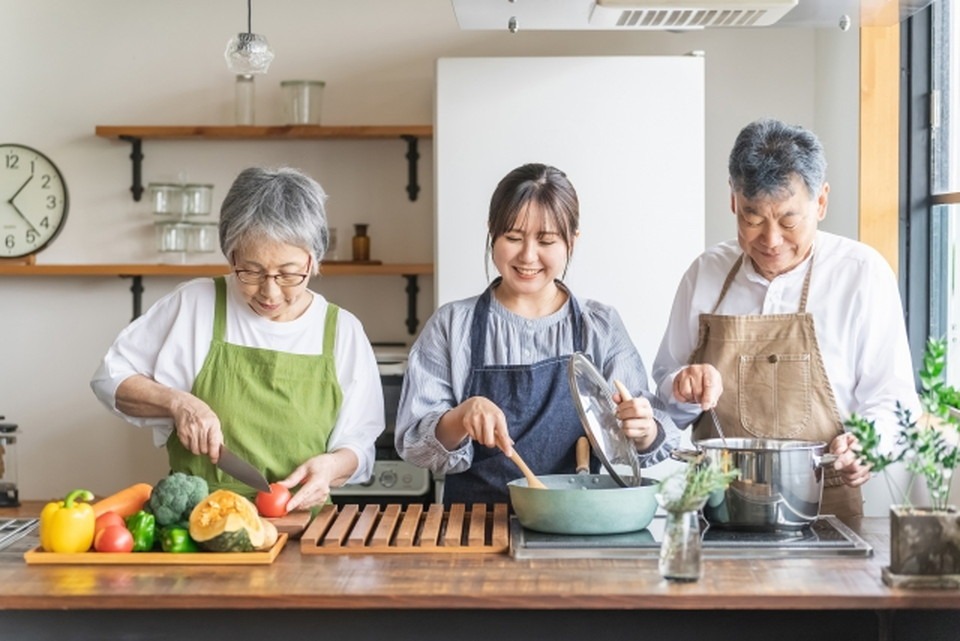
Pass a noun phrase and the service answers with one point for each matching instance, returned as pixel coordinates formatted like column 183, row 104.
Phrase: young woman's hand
column 478, row 418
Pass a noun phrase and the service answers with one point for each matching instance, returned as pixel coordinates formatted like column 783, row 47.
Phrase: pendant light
column 248, row 53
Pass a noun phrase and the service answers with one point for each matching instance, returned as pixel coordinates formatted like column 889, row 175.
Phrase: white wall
column 73, row 65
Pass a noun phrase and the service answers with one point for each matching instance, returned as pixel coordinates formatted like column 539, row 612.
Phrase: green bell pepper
column 143, row 527
column 177, row 539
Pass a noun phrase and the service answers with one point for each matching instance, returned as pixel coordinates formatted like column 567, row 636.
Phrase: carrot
column 126, row 502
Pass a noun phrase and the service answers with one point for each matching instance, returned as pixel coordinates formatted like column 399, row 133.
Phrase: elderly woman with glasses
column 255, row 360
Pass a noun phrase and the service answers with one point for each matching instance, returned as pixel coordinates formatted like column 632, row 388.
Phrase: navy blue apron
column 538, row 405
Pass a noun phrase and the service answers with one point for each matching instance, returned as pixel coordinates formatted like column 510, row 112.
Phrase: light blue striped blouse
column 439, row 367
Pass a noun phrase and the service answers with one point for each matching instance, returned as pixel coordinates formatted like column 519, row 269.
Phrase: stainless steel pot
column 780, row 484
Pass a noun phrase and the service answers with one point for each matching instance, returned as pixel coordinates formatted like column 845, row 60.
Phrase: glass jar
column 166, row 198
column 301, row 101
column 172, row 236
column 680, row 549
column 197, row 199
column 9, row 494
column 201, row 237
column 245, row 90
column 361, row 243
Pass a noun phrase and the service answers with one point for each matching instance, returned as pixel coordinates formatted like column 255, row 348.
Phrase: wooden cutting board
column 38, row 556
column 292, row 524
column 396, row 529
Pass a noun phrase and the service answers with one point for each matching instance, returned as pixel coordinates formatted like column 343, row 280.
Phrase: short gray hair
column 768, row 153
column 283, row 205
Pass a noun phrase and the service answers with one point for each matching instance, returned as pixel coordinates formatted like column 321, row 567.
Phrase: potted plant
column 924, row 540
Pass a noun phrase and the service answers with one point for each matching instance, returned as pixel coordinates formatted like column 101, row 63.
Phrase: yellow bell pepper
column 67, row 526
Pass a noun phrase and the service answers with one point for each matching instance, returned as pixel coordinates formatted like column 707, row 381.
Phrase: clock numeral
column 9, row 242
column 31, row 237
column 45, row 181
column 51, row 202
column 45, row 222
column 13, row 161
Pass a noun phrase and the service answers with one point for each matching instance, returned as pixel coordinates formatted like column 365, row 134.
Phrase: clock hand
column 26, row 182
column 19, row 213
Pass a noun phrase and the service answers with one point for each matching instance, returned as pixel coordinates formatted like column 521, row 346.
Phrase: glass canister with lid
column 9, row 493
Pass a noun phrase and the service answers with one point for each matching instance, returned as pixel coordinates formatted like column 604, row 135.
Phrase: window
column 930, row 179
column 945, row 171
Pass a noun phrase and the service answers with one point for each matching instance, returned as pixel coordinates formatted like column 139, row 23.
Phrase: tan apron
column 774, row 385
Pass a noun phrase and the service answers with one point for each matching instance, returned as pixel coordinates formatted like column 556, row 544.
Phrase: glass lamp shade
column 248, row 53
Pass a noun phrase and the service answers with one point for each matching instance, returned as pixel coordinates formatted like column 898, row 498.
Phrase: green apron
column 276, row 409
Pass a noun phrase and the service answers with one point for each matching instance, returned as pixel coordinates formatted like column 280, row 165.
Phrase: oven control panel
column 396, row 478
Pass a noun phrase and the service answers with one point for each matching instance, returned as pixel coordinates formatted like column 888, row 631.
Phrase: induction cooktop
column 825, row 537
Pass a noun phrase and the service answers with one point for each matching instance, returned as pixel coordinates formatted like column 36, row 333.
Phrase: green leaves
column 929, row 448
column 686, row 491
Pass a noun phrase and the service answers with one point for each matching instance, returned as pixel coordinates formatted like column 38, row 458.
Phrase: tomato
column 274, row 502
column 113, row 538
column 106, row 520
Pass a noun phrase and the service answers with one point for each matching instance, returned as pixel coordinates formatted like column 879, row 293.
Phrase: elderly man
column 787, row 330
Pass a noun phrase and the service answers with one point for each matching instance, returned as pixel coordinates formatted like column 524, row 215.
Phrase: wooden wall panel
column 879, row 139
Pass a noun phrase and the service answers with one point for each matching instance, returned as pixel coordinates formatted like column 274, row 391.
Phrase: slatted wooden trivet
column 392, row 529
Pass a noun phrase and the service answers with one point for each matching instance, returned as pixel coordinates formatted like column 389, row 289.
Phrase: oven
column 393, row 480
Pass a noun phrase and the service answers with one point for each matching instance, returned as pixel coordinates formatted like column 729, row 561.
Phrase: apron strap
column 733, row 273
column 806, row 288
column 220, row 309
column 330, row 329
column 478, row 334
column 726, row 284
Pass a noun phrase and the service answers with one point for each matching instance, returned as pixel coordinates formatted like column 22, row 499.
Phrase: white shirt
column 857, row 314
column 170, row 343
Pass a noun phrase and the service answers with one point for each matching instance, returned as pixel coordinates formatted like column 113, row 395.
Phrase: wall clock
column 33, row 201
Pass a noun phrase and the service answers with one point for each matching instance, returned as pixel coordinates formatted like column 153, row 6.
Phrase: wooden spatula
column 532, row 480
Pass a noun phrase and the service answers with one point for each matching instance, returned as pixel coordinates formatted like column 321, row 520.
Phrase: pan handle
column 583, row 455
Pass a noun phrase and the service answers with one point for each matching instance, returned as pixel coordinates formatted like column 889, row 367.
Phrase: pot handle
column 826, row 460
column 694, row 457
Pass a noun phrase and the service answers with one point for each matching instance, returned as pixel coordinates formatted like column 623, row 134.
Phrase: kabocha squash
column 226, row 522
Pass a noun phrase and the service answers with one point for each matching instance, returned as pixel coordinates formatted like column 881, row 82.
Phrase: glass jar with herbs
column 682, row 495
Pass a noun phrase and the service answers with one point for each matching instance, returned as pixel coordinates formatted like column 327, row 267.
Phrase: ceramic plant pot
column 925, row 543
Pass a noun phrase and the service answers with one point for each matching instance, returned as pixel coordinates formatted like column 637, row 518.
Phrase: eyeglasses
column 283, row 279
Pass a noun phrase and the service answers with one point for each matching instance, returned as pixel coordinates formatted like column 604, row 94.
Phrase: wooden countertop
column 471, row 582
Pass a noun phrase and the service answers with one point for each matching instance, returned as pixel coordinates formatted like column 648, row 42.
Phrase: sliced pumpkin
column 270, row 534
column 226, row 522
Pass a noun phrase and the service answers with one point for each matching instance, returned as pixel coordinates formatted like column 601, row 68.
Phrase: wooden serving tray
column 37, row 556
column 395, row 529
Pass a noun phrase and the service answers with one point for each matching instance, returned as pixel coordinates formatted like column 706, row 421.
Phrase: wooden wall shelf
column 410, row 271
column 136, row 134
column 274, row 132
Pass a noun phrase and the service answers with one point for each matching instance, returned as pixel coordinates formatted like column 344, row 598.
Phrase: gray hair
column 282, row 205
column 768, row 153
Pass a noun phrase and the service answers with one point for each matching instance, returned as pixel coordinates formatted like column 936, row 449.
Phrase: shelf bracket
column 136, row 288
column 413, row 188
column 136, row 159
column 412, row 291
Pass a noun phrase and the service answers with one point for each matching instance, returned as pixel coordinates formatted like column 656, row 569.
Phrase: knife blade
column 241, row 470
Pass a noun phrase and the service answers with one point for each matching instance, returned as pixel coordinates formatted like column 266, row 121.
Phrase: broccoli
column 174, row 497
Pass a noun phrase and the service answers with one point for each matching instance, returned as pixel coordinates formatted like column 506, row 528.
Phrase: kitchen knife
column 241, row 470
